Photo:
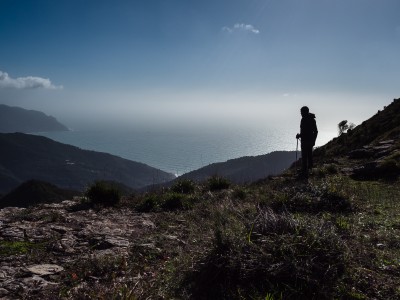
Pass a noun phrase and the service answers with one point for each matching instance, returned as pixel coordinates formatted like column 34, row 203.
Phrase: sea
column 182, row 150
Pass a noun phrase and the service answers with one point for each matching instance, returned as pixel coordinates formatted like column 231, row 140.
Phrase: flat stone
column 36, row 280
column 382, row 147
column 13, row 232
column 45, row 269
column 59, row 229
column 387, row 142
column 117, row 241
column 148, row 223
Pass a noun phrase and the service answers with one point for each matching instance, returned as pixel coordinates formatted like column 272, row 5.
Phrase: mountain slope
column 384, row 125
column 371, row 150
column 34, row 192
column 246, row 169
column 24, row 157
column 16, row 119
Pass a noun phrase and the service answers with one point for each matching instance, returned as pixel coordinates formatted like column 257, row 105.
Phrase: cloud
column 29, row 82
column 241, row 28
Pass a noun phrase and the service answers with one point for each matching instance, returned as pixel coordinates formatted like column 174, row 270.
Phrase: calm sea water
column 179, row 151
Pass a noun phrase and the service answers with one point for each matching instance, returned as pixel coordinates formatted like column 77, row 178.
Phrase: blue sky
column 222, row 59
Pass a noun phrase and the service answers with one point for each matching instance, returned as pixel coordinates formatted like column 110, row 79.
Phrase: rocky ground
column 39, row 246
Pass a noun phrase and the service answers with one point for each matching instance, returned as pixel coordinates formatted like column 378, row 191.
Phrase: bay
column 183, row 150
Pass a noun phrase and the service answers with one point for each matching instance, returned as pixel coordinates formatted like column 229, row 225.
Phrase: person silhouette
column 308, row 135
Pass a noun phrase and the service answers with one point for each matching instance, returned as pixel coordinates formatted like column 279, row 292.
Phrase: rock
column 387, row 142
column 148, row 223
column 382, row 147
column 360, row 153
column 59, row 229
column 3, row 292
column 67, row 239
column 117, row 241
column 45, row 269
column 36, row 280
column 13, row 232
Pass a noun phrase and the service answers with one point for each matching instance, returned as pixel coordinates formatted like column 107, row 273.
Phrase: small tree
column 344, row 126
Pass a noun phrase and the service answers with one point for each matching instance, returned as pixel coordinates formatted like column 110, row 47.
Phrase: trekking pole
column 297, row 147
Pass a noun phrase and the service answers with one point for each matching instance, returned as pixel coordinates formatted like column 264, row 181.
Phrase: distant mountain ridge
column 16, row 119
column 247, row 168
column 24, row 157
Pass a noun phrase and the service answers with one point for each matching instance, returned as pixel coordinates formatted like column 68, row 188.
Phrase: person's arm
column 298, row 136
column 315, row 131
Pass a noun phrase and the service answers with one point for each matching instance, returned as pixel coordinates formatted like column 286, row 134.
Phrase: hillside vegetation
column 334, row 236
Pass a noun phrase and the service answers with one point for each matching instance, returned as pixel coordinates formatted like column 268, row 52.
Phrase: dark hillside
column 24, row 157
column 34, row 192
column 384, row 125
column 246, row 169
column 16, row 119
column 371, row 150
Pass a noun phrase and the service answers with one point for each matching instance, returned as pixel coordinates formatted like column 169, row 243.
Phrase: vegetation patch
column 103, row 193
column 8, row 248
column 217, row 183
column 184, row 186
column 282, row 256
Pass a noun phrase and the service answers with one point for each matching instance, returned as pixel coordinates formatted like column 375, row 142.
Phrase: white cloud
column 227, row 29
column 29, row 82
column 241, row 27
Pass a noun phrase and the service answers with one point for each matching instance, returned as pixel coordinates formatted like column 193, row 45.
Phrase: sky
column 235, row 61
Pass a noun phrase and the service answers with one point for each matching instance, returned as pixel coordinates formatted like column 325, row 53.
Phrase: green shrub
column 103, row 193
column 216, row 183
column 149, row 203
column 176, row 201
column 183, row 186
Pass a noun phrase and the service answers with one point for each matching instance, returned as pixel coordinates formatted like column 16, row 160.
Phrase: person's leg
column 309, row 157
column 304, row 159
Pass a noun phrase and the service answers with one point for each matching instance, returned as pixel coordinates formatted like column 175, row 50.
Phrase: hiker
column 308, row 135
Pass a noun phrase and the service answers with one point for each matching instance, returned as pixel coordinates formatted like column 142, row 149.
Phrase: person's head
column 304, row 111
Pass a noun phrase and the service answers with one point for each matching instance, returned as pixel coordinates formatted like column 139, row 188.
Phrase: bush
column 149, row 203
column 183, row 186
column 216, row 183
column 103, row 193
column 166, row 202
column 176, row 201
